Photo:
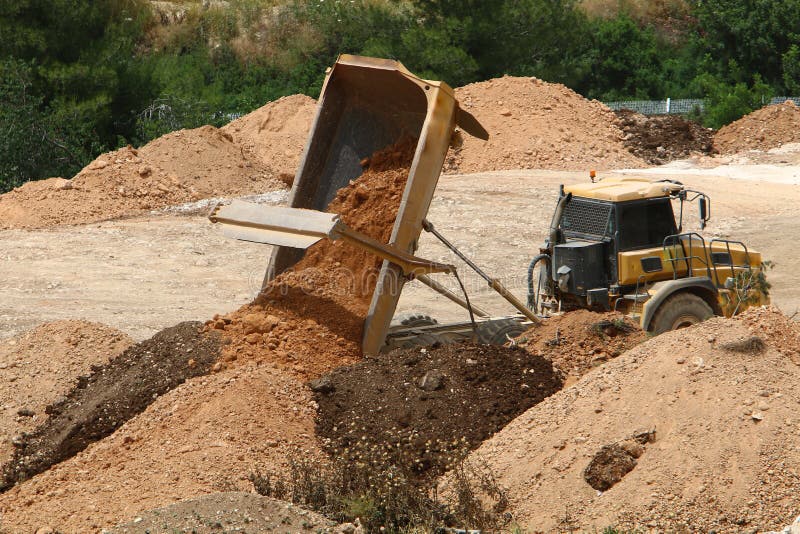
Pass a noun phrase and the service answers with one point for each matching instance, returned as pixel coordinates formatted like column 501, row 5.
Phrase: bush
column 725, row 103
column 380, row 485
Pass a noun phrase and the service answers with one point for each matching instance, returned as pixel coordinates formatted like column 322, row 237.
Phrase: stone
column 322, row 385
column 432, row 380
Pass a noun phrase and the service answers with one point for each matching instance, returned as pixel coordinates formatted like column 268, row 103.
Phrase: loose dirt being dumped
column 726, row 425
column 533, row 124
column 578, row 341
column 41, row 366
column 113, row 393
column 275, row 134
column 179, row 167
column 310, row 319
column 430, row 400
column 766, row 128
column 659, row 139
column 205, row 436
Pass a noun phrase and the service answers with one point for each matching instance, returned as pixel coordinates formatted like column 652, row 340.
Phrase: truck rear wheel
column 679, row 311
column 498, row 331
column 412, row 320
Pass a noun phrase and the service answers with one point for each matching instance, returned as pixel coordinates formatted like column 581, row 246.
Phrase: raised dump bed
column 367, row 104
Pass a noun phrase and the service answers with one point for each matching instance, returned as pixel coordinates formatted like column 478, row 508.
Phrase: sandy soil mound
column 537, row 125
column 424, row 400
column 227, row 512
column 205, row 436
column 114, row 392
column 179, row 167
column 275, row 134
column 659, row 139
column 763, row 129
column 41, row 366
column 724, row 409
column 580, row 340
column 310, row 320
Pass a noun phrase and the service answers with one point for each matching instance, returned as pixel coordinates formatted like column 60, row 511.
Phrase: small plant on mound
column 380, row 485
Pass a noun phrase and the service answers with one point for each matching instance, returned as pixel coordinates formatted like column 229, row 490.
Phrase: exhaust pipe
column 563, row 200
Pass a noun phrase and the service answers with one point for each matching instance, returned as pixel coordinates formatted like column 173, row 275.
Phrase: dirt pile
column 533, row 124
column 205, row 436
column 659, row 139
column 725, row 450
column 763, row 129
column 113, row 393
column 430, row 400
column 41, row 366
column 581, row 340
column 310, row 319
column 275, row 134
column 227, row 512
column 179, row 167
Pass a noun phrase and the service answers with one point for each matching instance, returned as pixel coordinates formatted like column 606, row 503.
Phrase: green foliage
column 71, row 85
column 20, row 125
column 627, row 61
column 791, row 70
column 725, row 103
column 747, row 37
column 82, row 77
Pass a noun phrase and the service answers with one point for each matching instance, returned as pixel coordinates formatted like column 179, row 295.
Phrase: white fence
column 677, row 106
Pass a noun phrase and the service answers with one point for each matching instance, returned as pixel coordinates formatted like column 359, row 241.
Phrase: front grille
column 586, row 217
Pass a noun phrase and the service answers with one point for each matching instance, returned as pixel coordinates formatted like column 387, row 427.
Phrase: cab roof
column 622, row 188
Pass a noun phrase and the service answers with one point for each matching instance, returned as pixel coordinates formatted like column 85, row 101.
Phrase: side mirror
column 703, row 212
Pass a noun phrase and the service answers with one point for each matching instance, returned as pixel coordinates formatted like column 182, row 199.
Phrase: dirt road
column 141, row 275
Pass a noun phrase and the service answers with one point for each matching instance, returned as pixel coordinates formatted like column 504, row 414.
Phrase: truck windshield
column 645, row 224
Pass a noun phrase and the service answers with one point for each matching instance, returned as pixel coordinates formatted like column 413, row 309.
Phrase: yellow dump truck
column 613, row 244
column 616, row 244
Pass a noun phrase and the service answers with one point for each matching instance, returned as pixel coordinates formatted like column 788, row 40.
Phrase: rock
column 258, row 323
column 763, row 406
column 45, row 530
column 608, row 467
column 253, row 338
column 432, row 380
column 633, row 448
column 25, row 412
column 322, row 385
column 757, row 416
column 145, row 171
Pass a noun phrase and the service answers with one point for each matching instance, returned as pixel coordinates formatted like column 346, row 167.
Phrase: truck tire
column 423, row 340
column 497, row 332
column 411, row 320
column 679, row 311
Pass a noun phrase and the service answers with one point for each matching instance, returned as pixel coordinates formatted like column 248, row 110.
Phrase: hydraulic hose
column 532, row 291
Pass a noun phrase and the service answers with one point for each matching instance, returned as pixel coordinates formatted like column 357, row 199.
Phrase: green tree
column 747, row 37
column 626, row 61
column 82, row 76
column 545, row 38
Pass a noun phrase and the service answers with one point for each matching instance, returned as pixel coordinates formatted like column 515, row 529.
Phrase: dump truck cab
column 617, row 244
